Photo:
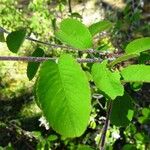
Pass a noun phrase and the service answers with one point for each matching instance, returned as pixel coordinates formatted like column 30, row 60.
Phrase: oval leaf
column 107, row 81
column 64, row 94
column 122, row 111
column 15, row 39
column 136, row 73
column 75, row 34
column 99, row 27
column 33, row 66
column 138, row 45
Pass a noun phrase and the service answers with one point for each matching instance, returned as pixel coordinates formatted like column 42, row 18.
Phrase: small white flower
column 111, row 58
column 43, row 122
column 115, row 135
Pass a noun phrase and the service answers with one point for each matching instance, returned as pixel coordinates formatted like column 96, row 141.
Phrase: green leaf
column 142, row 137
column 64, row 94
column 107, row 81
column 84, row 147
column 122, row 58
column 129, row 147
column 15, row 39
column 136, row 73
column 52, row 138
column 146, row 112
column 2, row 38
column 99, row 27
column 75, row 34
column 145, row 118
column 34, row 92
column 138, row 45
column 122, row 110
column 33, row 66
column 136, row 86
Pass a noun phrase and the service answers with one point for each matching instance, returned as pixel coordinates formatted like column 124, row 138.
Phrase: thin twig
column 68, row 48
column 23, row 133
column 103, row 135
column 41, row 59
column 69, row 6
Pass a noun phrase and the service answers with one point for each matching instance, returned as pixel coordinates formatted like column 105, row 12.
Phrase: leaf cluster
column 62, row 88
